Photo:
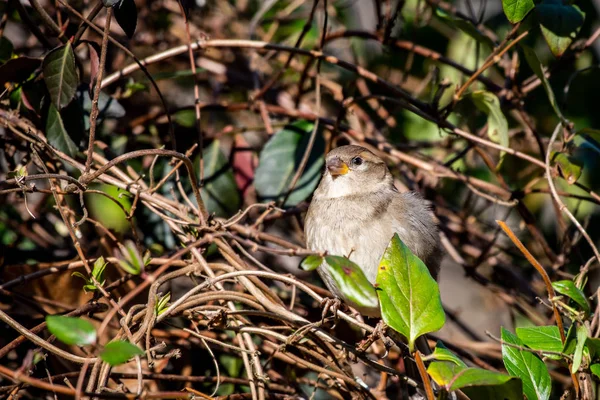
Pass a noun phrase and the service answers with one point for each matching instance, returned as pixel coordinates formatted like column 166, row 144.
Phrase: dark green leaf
column 527, row 366
column 595, row 368
column 488, row 103
column 467, row 27
column 71, row 331
column 126, row 16
column 409, row 296
column 511, row 390
column 311, row 263
column 582, row 335
column 119, row 352
column 18, row 69
column 544, row 338
column 279, row 160
column 534, row 63
column 351, row 281
column 589, row 139
column 569, row 289
column 57, row 134
column 570, row 342
column 570, row 167
column 516, row 10
column 593, row 345
column 219, row 191
column 60, row 75
column 560, row 24
column 185, row 118
column 6, row 49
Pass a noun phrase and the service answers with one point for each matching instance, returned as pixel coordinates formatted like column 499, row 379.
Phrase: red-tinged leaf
column 244, row 163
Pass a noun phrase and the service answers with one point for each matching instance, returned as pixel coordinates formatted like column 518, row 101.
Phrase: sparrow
column 355, row 212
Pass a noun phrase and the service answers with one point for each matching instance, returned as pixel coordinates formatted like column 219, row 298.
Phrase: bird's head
column 353, row 170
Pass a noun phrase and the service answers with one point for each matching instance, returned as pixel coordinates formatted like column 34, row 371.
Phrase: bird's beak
column 337, row 167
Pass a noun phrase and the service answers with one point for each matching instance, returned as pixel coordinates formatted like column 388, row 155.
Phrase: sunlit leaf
column 527, row 366
column 60, row 75
column 516, row 10
column 570, row 167
column 119, row 352
column 488, row 103
column 582, row 335
column 568, row 288
column 71, row 331
column 544, row 338
column 281, row 157
column 595, row 368
column 311, row 263
column 351, row 281
column 409, row 296
column 560, row 24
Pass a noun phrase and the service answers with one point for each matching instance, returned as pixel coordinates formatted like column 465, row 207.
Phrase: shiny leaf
column 351, row 281
column 516, row 10
column 311, row 263
column 527, row 366
column 543, row 338
column 60, row 75
column 71, row 331
column 560, row 24
column 119, row 352
column 568, row 288
column 409, row 296
column 279, row 160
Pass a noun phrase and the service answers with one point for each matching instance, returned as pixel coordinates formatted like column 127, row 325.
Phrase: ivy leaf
column 311, row 263
column 568, row 288
column 351, row 281
column 57, row 134
column 489, row 104
column 126, row 16
column 219, row 191
column 560, row 24
column 281, row 157
column 71, row 331
column 60, row 75
column 527, row 366
column 516, row 10
column 409, row 296
column 570, row 167
column 119, row 352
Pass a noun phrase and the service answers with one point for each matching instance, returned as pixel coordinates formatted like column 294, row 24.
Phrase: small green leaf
column 527, row 366
column 131, row 261
column 60, row 75
column 582, row 335
column 119, row 352
column 71, row 331
column 161, row 305
column 595, row 368
column 534, row 63
column 441, row 353
column 570, row 167
column 560, row 24
column 98, row 271
column 543, row 338
column 281, row 157
column 409, row 296
column 569, row 289
column 516, row 10
column 57, row 134
column 351, row 281
column 185, row 118
column 311, row 263
column 219, row 192
column 488, row 103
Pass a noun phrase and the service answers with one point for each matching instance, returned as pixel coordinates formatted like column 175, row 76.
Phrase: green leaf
column 527, row 366
column 589, row 139
column 71, row 331
column 593, row 345
column 488, row 103
column 126, row 16
column 560, row 24
column 279, row 160
column 185, row 118
column 351, row 281
column 131, row 260
column 570, row 167
column 409, row 296
column 162, row 303
column 57, row 134
column 465, row 26
column 569, row 289
column 543, row 338
column 441, row 353
column 571, row 341
column 119, row 352
column 511, row 390
column 534, row 63
column 311, row 263
column 595, row 368
column 60, row 75
column 516, row 10
column 219, row 191
column 582, row 335
column 98, row 271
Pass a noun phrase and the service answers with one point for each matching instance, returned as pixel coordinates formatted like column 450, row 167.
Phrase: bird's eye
column 357, row 161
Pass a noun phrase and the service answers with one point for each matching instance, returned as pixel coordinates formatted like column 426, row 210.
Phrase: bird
column 355, row 211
